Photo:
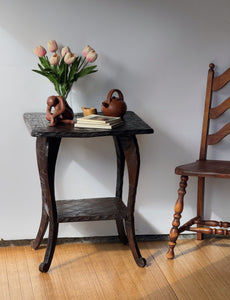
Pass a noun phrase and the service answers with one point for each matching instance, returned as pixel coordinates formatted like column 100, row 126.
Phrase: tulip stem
column 67, row 92
column 66, row 71
column 57, row 88
column 83, row 61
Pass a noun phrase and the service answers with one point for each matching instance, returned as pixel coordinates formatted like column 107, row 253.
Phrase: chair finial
column 211, row 66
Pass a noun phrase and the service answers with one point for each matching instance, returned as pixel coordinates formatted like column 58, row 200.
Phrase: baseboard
column 95, row 239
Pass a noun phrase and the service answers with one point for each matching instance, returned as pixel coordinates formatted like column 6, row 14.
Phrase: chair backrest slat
column 214, row 84
column 221, row 80
column 219, row 135
column 217, row 111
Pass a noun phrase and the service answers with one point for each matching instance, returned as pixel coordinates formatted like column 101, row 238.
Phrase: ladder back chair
column 203, row 168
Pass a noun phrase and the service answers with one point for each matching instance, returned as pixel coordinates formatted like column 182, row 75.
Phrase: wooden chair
column 203, row 168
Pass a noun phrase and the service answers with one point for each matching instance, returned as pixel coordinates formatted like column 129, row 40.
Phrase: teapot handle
column 109, row 97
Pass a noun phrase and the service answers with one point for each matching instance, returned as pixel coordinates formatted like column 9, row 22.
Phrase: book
column 97, row 125
column 98, row 119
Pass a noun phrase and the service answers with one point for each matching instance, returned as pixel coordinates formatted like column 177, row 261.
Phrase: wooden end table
column 113, row 208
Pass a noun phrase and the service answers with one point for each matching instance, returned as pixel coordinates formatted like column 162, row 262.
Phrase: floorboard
column 200, row 270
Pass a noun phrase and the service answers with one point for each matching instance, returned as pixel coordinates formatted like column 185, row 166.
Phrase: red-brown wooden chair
column 203, row 168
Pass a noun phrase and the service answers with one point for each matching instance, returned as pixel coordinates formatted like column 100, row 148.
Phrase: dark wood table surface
column 54, row 211
column 38, row 126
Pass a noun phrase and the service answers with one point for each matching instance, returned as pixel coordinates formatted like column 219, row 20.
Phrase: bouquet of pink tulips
column 64, row 69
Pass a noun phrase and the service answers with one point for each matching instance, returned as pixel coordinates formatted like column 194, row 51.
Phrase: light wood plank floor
column 201, row 270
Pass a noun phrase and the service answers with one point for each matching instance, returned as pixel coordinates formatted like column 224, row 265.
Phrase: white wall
column 157, row 53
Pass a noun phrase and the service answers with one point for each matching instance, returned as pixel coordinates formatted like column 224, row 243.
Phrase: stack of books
column 98, row 121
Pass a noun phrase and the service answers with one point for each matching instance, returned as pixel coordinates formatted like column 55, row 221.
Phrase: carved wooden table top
column 38, row 126
column 54, row 211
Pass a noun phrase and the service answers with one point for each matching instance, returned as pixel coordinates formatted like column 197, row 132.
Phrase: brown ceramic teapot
column 115, row 107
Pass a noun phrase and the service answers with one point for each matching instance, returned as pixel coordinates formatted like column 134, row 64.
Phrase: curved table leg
column 47, row 151
column 119, row 186
column 121, row 231
column 131, row 152
column 53, row 231
column 41, row 231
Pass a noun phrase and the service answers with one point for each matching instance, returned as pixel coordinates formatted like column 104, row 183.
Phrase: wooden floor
column 201, row 270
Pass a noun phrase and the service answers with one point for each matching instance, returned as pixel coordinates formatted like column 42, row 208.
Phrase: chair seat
column 205, row 168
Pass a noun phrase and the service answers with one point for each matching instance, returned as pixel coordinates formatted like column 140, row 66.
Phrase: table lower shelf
column 94, row 209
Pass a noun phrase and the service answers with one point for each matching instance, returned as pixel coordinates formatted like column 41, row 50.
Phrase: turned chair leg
column 200, row 203
column 174, row 233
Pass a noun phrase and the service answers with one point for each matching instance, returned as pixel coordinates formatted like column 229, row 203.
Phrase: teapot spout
column 105, row 104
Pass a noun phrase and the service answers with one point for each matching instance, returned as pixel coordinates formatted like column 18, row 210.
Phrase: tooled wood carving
column 58, row 111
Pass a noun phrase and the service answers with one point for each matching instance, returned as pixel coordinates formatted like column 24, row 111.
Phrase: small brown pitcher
column 112, row 106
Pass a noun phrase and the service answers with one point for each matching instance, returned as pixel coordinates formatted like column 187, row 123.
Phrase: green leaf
column 75, row 78
column 41, row 72
column 55, row 69
column 40, row 67
column 94, row 71
column 57, row 89
column 53, row 78
column 61, row 66
column 48, row 70
column 86, row 71
column 45, row 62
column 61, row 72
column 73, row 69
column 64, row 89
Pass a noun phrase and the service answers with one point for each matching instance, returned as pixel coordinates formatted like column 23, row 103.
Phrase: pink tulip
column 54, row 59
column 52, row 46
column 69, row 58
column 40, row 51
column 65, row 50
column 86, row 50
column 91, row 56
